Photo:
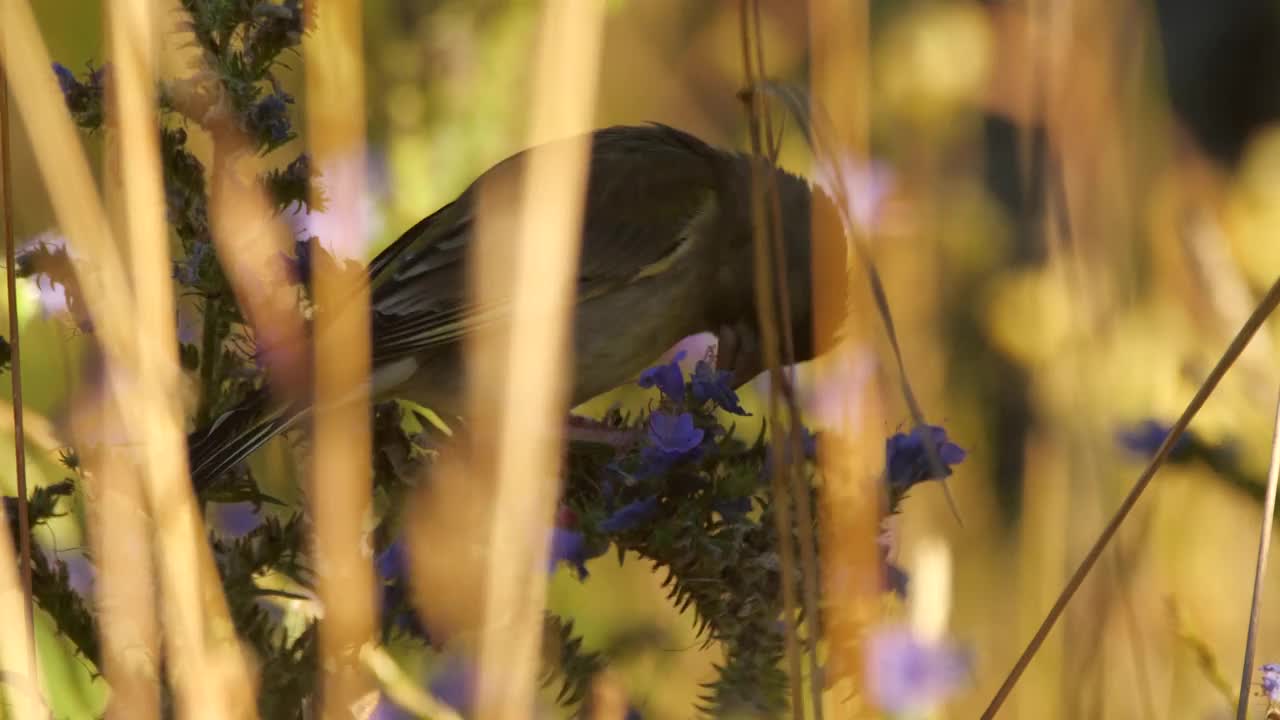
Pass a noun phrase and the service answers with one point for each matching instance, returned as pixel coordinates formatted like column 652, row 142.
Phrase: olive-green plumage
column 666, row 253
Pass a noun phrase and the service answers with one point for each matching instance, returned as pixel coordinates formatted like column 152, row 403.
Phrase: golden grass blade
column 17, row 650
column 63, row 167
column 849, row 456
column 15, row 372
column 19, row 689
column 204, row 663
column 1260, row 313
column 125, row 591
column 765, row 232
column 153, row 420
column 403, row 688
column 341, row 482
column 1264, row 548
column 534, row 395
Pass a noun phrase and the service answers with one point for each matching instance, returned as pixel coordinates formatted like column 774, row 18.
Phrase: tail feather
column 230, row 439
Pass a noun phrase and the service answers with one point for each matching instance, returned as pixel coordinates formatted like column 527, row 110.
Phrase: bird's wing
column 647, row 186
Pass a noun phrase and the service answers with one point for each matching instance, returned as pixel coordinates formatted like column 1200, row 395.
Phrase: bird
column 666, row 253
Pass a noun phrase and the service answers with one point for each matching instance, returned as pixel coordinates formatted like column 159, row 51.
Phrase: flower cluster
column 679, row 433
column 1146, row 437
column 393, row 577
column 911, row 458
column 85, row 98
column 907, row 674
column 1271, row 684
column 923, row 454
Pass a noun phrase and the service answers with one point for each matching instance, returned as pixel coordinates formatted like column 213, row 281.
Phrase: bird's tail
column 215, row 450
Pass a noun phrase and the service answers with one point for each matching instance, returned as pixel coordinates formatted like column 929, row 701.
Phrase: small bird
column 666, row 253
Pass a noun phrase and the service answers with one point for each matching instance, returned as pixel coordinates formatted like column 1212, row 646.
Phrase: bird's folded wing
column 648, row 188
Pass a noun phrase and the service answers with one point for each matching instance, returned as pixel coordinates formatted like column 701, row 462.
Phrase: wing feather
column 646, row 187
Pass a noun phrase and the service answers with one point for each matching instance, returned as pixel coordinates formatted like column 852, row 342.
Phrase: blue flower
column 298, row 267
column 66, row 80
column 674, row 435
column 668, row 378
column 1146, row 437
column 237, row 519
column 83, row 99
column 569, row 546
column 672, row 438
column 1271, row 682
column 387, row 709
column 269, row 118
column 896, row 580
column 708, row 383
column 452, row 684
column 393, row 571
column 907, row 459
column 908, row 674
column 82, row 576
column 455, row 685
column 187, row 270
column 631, row 515
column 390, row 563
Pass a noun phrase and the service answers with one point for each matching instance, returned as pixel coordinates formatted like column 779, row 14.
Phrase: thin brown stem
column 765, row 311
column 799, row 487
column 1232, row 353
column 1264, row 547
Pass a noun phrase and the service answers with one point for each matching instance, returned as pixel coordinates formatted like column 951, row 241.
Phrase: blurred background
column 1075, row 206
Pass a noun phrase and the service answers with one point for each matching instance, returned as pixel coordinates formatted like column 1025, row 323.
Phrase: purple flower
column 1146, row 437
column 672, row 438
column 269, row 118
column 455, row 685
column 668, row 378
column 896, row 580
column 1271, row 682
column 83, row 99
column 390, row 563
column 630, row 516
column 570, row 546
column 387, row 709
column 708, row 383
column 66, row 79
column 906, row 673
column 81, row 575
column 236, row 519
column 393, row 572
column 187, row 270
column 907, row 459
column 298, row 267
column 674, row 435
